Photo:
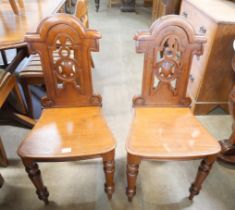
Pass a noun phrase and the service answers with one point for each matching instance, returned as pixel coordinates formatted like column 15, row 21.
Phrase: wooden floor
column 161, row 185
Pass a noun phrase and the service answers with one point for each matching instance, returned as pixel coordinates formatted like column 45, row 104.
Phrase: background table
column 13, row 27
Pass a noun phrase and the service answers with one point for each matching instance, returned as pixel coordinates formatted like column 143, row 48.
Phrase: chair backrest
column 64, row 46
column 168, row 48
column 81, row 12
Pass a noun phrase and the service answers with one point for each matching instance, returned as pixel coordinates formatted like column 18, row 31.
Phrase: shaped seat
column 71, row 126
column 169, row 133
column 74, row 136
column 163, row 126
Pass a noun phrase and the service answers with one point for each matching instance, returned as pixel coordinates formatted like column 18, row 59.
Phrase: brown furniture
column 32, row 74
column 165, row 7
column 71, row 126
column 14, row 27
column 211, row 77
column 15, row 7
column 7, row 85
column 163, row 126
column 228, row 146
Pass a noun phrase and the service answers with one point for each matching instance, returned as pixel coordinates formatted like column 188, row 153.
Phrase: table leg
column 1, row 180
column 97, row 5
column 128, row 6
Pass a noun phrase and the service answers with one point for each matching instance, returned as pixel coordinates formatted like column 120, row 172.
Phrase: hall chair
column 163, row 126
column 32, row 73
column 71, row 126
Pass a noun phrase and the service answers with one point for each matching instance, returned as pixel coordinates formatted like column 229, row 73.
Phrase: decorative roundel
column 166, row 70
column 66, row 69
column 64, row 52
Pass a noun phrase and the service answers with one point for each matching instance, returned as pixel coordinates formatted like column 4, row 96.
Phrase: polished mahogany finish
column 71, row 126
column 32, row 74
column 163, row 127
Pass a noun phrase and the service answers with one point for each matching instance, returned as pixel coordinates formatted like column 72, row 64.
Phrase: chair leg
column 3, row 156
column 92, row 62
column 35, row 176
column 14, row 6
column 1, row 181
column 132, row 172
column 108, row 162
column 202, row 173
column 28, row 96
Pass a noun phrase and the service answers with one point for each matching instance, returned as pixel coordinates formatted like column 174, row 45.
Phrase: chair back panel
column 168, row 48
column 64, row 46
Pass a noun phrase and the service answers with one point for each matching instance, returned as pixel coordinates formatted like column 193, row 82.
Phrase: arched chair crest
column 168, row 48
column 64, row 47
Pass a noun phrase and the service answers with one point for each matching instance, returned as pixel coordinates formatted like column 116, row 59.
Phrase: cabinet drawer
column 203, row 25
column 195, row 79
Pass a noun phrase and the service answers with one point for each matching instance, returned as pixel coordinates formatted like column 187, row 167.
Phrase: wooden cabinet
column 165, row 7
column 211, row 76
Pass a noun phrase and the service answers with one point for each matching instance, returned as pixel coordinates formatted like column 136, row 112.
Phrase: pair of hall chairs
column 72, row 127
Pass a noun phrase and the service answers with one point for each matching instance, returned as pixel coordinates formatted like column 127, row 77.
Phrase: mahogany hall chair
column 163, row 126
column 71, row 126
column 7, row 85
column 32, row 74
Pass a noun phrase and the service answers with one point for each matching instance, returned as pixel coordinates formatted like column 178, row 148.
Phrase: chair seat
column 67, row 133
column 4, row 76
column 169, row 133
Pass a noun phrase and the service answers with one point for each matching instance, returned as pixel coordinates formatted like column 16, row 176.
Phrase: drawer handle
column 185, row 14
column 202, row 30
column 191, row 78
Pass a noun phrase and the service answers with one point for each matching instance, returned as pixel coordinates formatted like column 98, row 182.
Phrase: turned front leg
column 108, row 161
column 132, row 172
column 202, row 173
column 35, row 176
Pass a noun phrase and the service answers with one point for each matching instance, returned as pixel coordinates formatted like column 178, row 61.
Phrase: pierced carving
column 64, row 46
column 66, row 67
column 168, row 47
column 167, row 66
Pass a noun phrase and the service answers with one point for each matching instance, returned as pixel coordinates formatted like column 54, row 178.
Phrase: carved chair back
column 64, row 46
column 168, row 48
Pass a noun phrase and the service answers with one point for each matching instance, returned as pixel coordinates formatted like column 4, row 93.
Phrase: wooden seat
column 74, row 136
column 164, row 138
column 163, row 126
column 71, row 126
column 32, row 74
